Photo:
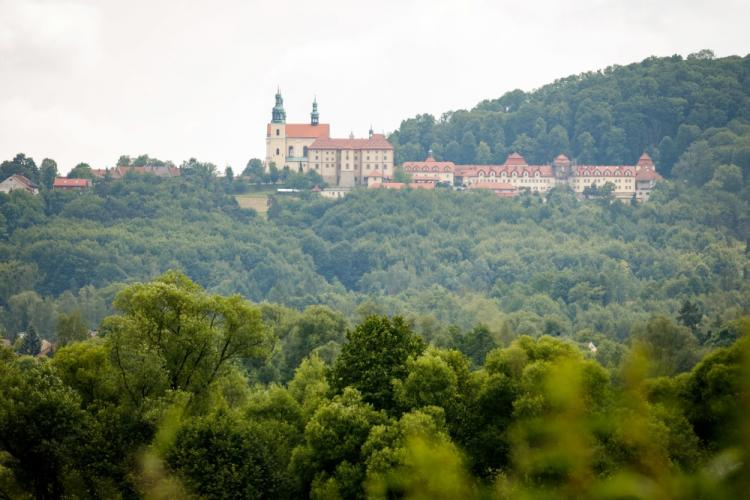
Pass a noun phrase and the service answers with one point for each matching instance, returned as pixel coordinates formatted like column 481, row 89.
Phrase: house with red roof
column 65, row 184
column 18, row 182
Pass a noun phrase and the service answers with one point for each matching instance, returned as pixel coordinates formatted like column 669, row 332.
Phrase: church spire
column 278, row 115
column 315, row 116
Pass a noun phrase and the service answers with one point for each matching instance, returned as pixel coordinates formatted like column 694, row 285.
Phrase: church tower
column 276, row 135
column 278, row 115
column 314, row 116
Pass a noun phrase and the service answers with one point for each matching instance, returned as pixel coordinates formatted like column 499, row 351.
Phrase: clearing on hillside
column 256, row 201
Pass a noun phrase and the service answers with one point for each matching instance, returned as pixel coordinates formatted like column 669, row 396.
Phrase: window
column 291, row 151
column 304, row 151
column 277, row 132
column 277, row 151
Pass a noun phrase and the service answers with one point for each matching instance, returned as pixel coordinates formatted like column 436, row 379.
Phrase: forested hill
column 660, row 105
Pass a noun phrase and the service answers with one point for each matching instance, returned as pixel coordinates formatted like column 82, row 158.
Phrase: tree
column 696, row 165
column 41, row 426
column 671, row 349
column 585, row 148
column 226, row 456
column 728, row 178
column 81, row 171
column 375, row 354
column 484, row 155
column 172, row 334
column 254, row 169
column 30, row 343
column 20, row 164
column 71, row 328
column 229, row 174
column 47, row 173
column 201, row 171
column 559, row 142
column 690, row 314
column 468, row 147
column 317, row 326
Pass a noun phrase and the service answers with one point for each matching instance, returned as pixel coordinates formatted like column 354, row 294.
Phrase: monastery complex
column 346, row 163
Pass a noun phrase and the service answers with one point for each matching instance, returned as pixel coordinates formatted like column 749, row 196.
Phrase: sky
column 88, row 81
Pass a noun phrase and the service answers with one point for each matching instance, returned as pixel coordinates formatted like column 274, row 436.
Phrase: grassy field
column 256, row 201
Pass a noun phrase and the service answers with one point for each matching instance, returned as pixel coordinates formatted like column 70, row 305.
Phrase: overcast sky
column 87, row 81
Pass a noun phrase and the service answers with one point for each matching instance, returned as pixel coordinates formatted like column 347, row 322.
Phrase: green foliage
column 81, row 171
column 47, row 173
column 374, row 355
column 41, row 425
column 30, row 343
column 171, row 334
column 71, row 328
column 224, row 456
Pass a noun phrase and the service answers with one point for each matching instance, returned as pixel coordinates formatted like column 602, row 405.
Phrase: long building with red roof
column 516, row 175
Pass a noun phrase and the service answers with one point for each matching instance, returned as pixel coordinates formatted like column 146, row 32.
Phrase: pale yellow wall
column 622, row 184
column 274, row 142
column 351, row 165
column 283, row 143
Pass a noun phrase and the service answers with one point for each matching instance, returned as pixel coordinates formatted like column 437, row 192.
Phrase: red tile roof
column 645, row 169
column 377, row 141
column 604, row 171
column 303, row 130
column 62, row 182
column 515, row 160
column 430, row 164
column 486, row 170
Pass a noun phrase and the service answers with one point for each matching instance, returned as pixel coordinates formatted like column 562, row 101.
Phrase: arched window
column 277, row 132
column 291, row 151
column 277, row 151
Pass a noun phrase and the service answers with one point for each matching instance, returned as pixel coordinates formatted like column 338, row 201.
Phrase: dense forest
column 420, row 344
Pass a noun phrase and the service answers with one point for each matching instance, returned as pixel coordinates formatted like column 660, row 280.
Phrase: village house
column 18, row 182
column 64, row 184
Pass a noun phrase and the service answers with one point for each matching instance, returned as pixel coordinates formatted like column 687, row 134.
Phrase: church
column 302, row 147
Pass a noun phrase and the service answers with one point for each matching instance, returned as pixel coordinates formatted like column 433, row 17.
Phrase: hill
column 660, row 105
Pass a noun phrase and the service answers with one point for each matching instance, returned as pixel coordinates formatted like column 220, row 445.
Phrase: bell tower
column 276, row 135
column 314, row 116
column 278, row 115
